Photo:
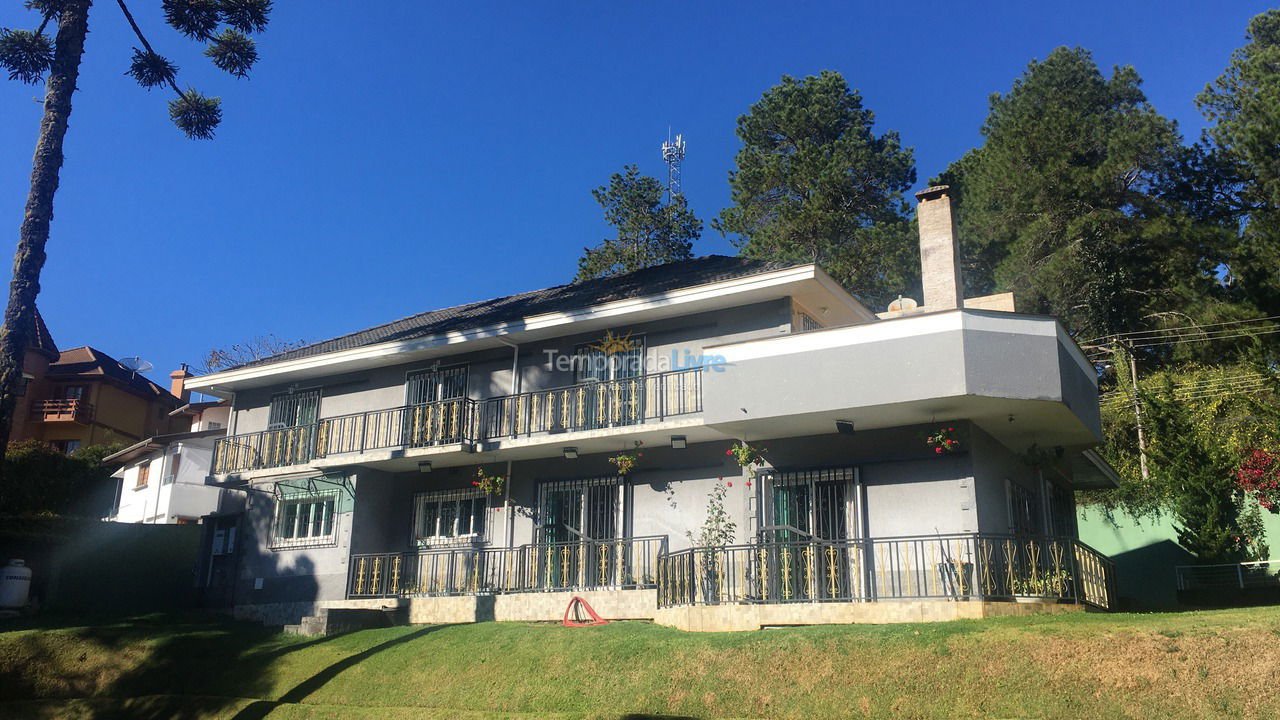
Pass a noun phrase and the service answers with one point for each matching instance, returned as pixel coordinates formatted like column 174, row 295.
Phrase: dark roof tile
column 561, row 298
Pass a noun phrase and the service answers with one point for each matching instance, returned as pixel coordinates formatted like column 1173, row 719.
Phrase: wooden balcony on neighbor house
column 76, row 411
column 589, row 406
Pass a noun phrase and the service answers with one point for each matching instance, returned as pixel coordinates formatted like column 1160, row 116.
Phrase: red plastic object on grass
column 595, row 619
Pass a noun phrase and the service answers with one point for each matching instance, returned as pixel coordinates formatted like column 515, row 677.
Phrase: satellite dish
column 136, row 365
column 902, row 303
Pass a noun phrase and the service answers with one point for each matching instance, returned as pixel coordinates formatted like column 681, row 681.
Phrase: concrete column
column 939, row 249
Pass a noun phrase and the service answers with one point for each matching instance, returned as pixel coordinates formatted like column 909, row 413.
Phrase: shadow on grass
column 299, row 692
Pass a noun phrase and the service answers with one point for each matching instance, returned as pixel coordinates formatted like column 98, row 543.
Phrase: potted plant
column 745, row 454
column 626, row 461
column 488, row 484
column 943, row 440
column 1046, row 587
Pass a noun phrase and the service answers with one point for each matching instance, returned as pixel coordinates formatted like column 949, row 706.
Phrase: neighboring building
column 83, row 396
column 162, row 479
column 357, row 461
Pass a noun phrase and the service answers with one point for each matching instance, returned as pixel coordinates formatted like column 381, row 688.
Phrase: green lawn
column 1181, row 665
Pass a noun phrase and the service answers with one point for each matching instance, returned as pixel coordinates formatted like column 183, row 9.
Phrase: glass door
column 430, row 417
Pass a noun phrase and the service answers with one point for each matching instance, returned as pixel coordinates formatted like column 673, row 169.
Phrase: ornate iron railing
column 959, row 567
column 623, row 563
column 630, row 401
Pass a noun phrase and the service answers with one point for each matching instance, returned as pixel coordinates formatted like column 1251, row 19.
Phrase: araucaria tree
column 815, row 183
column 28, row 55
column 647, row 232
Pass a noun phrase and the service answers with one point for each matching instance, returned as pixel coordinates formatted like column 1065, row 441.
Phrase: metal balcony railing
column 957, row 567
column 630, row 401
column 623, row 563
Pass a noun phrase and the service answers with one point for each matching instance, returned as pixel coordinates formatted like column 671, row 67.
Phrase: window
column 174, row 460
column 71, row 447
column 1062, row 511
column 306, row 519
column 449, row 515
column 293, row 409
column 1023, row 518
column 807, row 504
column 574, row 510
column 144, row 474
column 806, row 323
column 73, row 392
column 426, row 386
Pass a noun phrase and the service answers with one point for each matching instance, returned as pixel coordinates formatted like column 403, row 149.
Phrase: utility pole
column 1137, row 411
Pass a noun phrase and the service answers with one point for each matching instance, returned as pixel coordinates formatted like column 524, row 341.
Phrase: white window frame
column 440, row 498
column 310, row 500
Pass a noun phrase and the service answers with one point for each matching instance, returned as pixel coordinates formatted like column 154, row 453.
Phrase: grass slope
column 1184, row 665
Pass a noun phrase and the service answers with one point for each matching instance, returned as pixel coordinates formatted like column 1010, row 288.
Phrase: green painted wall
column 1145, row 551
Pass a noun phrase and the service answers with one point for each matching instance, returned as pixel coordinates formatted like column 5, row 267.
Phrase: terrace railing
column 627, row 401
column 630, row 401
column 957, row 567
column 586, row 565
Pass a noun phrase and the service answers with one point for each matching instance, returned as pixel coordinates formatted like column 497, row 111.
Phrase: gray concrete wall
column 294, row 574
column 909, row 490
column 489, row 372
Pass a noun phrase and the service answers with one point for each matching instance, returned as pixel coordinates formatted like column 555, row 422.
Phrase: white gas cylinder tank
column 15, row 584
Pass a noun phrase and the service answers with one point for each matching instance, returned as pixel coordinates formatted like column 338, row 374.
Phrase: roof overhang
column 807, row 283
column 1089, row 471
column 159, row 442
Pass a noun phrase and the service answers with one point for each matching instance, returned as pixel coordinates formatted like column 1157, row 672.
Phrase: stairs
column 331, row 621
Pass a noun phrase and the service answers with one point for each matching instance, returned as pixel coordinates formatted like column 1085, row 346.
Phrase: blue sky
column 388, row 158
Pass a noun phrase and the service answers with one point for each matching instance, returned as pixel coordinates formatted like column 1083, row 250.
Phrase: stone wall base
column 290, row 613
column 728, row 618
column 531, row 607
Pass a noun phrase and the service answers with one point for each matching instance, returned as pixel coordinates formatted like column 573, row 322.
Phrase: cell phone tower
column 673, row 155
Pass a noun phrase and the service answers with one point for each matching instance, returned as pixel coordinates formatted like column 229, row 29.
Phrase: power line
column 1165, row 331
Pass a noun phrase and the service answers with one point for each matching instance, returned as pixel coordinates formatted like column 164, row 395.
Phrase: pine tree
column 815, row 183
column 647, row 232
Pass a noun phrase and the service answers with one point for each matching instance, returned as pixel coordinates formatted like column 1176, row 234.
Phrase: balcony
column 624, row 563
column 977, row 566
column 980, row 567
column 75, row 411
column 616, row 403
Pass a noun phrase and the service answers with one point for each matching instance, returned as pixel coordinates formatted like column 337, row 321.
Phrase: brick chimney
column 939, row 250
column 178, row 383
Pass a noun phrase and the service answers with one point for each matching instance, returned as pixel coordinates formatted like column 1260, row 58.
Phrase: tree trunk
column 19, row 314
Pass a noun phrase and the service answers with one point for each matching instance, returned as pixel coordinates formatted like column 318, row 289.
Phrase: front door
column 807, row 523
column 578, row 519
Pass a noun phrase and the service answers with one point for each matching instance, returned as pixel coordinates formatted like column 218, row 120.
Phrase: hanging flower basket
column 626, row 461
column 943, row 440
column 488, row 484
column 746, row 454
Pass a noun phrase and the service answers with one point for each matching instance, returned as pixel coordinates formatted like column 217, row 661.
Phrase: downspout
column 514, row 391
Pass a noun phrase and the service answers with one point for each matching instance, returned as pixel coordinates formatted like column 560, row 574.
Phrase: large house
column 720, row 443
column 83, row 396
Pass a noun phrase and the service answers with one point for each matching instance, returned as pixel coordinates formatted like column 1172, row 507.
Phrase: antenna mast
column 673, row 155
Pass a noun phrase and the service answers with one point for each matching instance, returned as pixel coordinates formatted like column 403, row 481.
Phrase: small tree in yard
column 1213, row 522
column 719, row 529
column 225, row 25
